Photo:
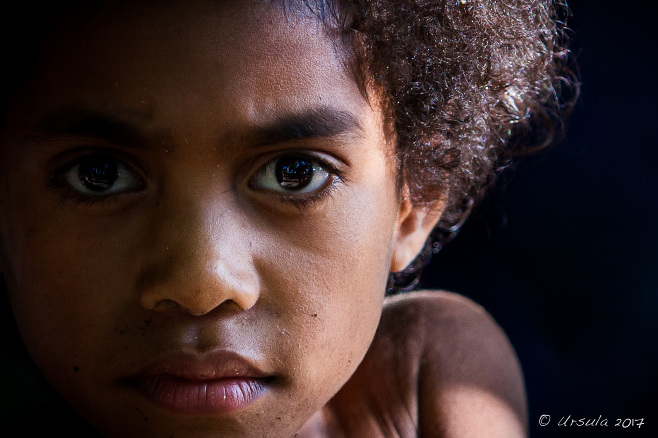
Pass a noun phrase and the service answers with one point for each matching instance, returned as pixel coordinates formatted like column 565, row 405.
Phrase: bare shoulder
column 469, row 378
column 439, row 366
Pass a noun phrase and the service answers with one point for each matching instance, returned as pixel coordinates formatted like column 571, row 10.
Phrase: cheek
column 332, row 269
column 64, row 288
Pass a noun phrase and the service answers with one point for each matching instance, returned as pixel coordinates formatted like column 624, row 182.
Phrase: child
column 201, row 203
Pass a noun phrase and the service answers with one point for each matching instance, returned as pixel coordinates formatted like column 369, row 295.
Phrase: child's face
column 181, row 187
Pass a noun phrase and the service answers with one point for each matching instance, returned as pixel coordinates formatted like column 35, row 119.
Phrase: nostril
column 228, row 305
column 195, row 312
column 168, row 305
column 162, row 305
column 198, row 282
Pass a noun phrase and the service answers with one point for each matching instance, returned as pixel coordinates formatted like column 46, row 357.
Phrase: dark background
column 564, row 252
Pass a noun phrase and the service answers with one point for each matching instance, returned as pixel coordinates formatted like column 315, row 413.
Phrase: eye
column 101, row 175
column 293, row 174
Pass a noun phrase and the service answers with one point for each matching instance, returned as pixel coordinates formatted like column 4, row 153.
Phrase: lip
column 214, row 383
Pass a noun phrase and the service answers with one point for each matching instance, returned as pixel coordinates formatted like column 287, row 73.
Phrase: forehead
column 235, row 61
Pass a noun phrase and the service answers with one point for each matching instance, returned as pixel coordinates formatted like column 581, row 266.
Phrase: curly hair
column 469, row 84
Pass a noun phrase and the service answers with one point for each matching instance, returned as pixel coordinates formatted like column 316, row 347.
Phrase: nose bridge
column 201, row 258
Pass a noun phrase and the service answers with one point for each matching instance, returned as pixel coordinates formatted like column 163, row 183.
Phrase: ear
column 414, row 226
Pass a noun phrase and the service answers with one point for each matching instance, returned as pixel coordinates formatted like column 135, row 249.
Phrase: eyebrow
column 317, row 123
column 76, row 121
column 83, row 122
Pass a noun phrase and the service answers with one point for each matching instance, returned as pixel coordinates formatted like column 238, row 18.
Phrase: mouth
column 220, row 382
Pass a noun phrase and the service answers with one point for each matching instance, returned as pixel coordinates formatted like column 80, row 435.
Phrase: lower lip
column 212, row 396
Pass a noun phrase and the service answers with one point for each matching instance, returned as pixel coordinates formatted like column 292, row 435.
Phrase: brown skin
column 439, row 366
column 193, row 253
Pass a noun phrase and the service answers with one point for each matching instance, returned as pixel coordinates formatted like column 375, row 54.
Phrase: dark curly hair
column 469, row 84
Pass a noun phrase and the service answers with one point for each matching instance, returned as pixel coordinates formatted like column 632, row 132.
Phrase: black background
column 564, row 252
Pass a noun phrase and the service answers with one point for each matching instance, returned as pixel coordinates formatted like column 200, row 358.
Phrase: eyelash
column 303, row 204
column 57, row 181
column 305, row 201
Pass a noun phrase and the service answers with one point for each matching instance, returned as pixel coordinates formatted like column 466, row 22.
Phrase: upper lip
column 219, row 364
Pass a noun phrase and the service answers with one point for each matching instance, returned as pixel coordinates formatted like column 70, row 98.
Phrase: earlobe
column 414, row 226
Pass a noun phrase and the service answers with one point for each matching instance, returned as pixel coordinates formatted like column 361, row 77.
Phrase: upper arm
column 469, row 380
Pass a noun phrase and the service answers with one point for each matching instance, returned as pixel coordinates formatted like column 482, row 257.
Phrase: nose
column 200, row 260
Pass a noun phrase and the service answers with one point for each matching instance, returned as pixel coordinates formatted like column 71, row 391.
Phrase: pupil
column 294, row 173
column 97, row 173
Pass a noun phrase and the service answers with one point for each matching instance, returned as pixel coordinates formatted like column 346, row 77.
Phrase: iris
column 98, row 173
column 294, row 173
